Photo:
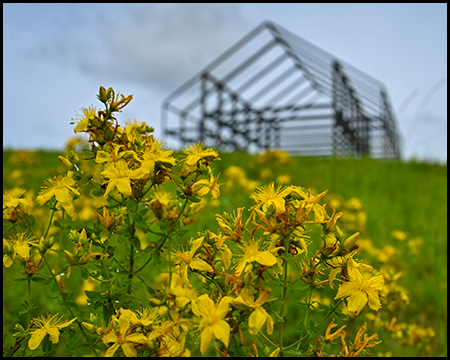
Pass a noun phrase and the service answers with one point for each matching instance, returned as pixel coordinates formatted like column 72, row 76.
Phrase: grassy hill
column 404, row 217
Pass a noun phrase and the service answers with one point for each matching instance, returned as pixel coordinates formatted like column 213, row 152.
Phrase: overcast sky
column 55, row 57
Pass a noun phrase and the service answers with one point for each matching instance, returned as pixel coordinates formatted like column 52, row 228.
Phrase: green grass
column 406, row 196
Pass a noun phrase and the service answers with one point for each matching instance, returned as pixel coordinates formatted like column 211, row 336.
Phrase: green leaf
column 41, row 279
column 340, row 314
column 94, row 295
column 57, row 224
column 47, row 345
column 141, row 223
column 301, row 286
column 84, row 273
column 107, row 313
column 235, row 349
column 98, row 192
column 194, row 199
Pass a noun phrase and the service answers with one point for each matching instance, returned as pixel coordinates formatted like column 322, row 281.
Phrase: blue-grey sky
column 55, row 57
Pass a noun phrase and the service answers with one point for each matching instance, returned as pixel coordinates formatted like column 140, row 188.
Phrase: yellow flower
column 361, row 288
column 114, row 154
column 259, row 316
column 399, row 235
column 195, row 153
column 62, row 188
column 123, row 338
column 252, row 253
column 119, row 176
column 190, row 260
column 47, row 325
column 212, row 324
column 13, row 199
column 87, row 114
column 17, row 245
column 162, row 197
column 266, row 196
column 204, row 186
column 155, row 153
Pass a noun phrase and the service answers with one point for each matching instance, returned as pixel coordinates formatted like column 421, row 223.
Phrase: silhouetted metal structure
column 273, row 89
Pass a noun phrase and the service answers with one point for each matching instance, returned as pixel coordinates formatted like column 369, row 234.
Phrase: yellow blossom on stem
column 46, row 325
column 84, row 117
column 122, row 337
column 17, row 245
column 266, row 196
column 252, row 253
column 155, row 153
column 192, row 261
column 212, row 322
column 62, row 188
column 119, row 176
column 361, row 288
column 204, row 186
column 14, row 200
column 259, row 316
column 195, row 153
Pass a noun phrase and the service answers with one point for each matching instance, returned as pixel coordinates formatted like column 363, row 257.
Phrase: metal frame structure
column 273, row 89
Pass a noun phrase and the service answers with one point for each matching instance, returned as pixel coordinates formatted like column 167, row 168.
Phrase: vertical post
column 203, row 102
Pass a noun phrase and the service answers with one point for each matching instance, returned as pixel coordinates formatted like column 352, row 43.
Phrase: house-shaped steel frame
column 273, row 89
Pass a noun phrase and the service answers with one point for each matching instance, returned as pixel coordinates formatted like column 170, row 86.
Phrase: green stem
column 60, row 240
column 284, row 291
column 268, row 340
column 212, row 280
column 165, row 237
column 49, row 223
column 330, row 312
column 130, row 272
column 146, row 191
column 29, row 298
column 305, row 320
column 65, row 303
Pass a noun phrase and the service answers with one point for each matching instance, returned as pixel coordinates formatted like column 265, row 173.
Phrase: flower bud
column 104, row 95
column 70, row 258
column 89, row 327
column 45, row 244
column 67, row 164
column 350, row 243
column 83, row 236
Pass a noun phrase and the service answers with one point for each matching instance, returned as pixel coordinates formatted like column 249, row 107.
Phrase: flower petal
column 206, row 338
column 36, row 338
column 110, row 352
column 256, row 321
column 356, row 302
column 129, row 350
column 222, row 332
column 200, row 264
column 53, row 333
column 123, row 185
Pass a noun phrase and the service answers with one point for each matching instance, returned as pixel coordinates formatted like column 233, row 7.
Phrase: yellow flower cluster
column 227, row 284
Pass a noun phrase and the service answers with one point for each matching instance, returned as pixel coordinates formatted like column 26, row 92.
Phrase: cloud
column 162, row 45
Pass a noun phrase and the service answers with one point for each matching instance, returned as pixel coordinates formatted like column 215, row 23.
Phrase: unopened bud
column 67, row 164
column 350, row 242
column 89, row 327
column 69, row 257
column 104, row 95
column 45, row 244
